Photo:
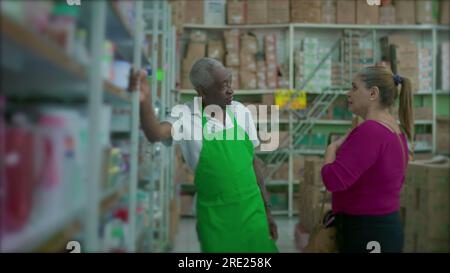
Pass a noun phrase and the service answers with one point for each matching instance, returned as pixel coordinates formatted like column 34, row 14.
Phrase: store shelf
column 34, row 235
column 370, row 27
column 115, row 92
column 266, row 26
column 116, row 189
column 236, row 92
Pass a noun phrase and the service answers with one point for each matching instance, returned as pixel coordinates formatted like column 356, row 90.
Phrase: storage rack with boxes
column 307, row 33
column 66, row 112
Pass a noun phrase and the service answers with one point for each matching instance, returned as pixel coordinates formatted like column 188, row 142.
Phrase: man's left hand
column 272, row 227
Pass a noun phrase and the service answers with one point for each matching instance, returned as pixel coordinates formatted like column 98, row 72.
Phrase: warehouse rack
column 373, row 32
column 70, row 83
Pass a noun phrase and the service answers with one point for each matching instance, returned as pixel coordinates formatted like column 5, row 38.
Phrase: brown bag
column 323, row 236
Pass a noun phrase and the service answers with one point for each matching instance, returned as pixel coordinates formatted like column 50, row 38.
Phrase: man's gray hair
column 201, row 72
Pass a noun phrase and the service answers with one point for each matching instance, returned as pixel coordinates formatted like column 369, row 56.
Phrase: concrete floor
column 186, row 239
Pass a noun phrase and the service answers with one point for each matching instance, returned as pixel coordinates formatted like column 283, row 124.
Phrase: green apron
column 230, row 211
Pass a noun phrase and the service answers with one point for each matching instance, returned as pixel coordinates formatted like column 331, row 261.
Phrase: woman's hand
column 338, row 143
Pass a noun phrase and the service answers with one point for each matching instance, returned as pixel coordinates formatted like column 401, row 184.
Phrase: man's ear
column 201, row 91
column 374, row 93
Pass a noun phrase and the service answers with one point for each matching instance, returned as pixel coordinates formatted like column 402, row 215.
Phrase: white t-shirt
column 191, row 119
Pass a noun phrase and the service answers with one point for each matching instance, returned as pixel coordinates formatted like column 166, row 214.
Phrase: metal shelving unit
column 66, row 79
column 290, row 30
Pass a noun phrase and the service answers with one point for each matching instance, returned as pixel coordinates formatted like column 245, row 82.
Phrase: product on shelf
column 20, row 178
column 346, row 11
column 329, row 11
column 387, row 14
column 247, row 80
column 236, row 12
column 215, row 12
column 366, row 14
column 278, row 11
column 405, row 12
column 232, row 46
column 425, row 13
column 194, row 12
column 270, row 49
column 304, row 11
column 444, row 10
column 261, row 71
column 234, row 78
column 425, row 70
column 216, row 50
column 257, row 12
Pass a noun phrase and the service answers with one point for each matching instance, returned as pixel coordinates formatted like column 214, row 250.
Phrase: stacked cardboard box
column 261, row 71
column 236, row 11
column 186, row 205
column 257, row 12
column 234, row 77
column 442, row 135
column 178, row 14
column 216, row 50
column 427, row 210
column 346, row 12
column 424, row 12
column 445, row 66
column 312, row 194
column 328, row 12
column 215, row 12
column 444, row 9
column 423, row 112
column 308, row 60
column 278, row 11
column 270, row 50
column 366, row 14
column 425, row 70
column 337, row 76
column 194, row 12
column 249, row 48
column 387, row 14
column 306, row 11
column 196, row 49
column 232, row 46
column 405, row 12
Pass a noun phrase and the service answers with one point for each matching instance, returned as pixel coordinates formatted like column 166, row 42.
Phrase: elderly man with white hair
column 233, row 214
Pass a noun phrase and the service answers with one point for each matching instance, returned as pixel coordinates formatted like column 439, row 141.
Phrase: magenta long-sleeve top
column 368, row 172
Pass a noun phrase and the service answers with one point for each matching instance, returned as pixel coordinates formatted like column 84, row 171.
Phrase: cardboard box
column 234, row 77
column 366, row 14
column 249, row 43
column 196, row 51
column 186, row 205
column 443, row 132
column 424, row 12
column 215, row 12
column 261, row 74
column 427, row 218
column 247, row 62
column 216, row 50
column 313, row 167
column 232, row 41
column 387, row 15
column 232, row 60
column 278, row 11
column 257, row 12
column 194, row 12
column 444, row 10
column 346, row 12
column 247, row 80
column 405, row 12
column 306, row 11
column 423, row 113
column 329, row 11
column 178, row 13
column 236, row 12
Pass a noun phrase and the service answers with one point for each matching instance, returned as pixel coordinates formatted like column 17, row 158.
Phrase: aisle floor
column 186, row 238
